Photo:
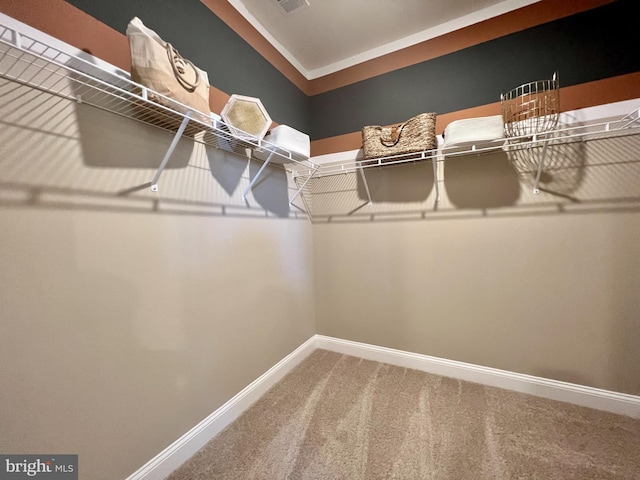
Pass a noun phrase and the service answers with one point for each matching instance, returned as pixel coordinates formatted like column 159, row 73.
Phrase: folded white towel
column 474, row 131
column 287, row 140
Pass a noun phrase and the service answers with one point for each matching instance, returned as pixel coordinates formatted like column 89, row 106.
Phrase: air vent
column 290, row 6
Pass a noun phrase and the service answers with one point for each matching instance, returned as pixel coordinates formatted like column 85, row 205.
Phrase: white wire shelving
column 537, row 144
column 28, row 60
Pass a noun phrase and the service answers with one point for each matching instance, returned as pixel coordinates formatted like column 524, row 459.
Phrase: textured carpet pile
column 339, row 417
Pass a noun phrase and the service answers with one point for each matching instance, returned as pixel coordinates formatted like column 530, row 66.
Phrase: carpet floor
column 340, row 417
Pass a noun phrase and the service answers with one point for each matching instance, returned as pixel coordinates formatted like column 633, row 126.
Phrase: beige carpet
column 340, row 417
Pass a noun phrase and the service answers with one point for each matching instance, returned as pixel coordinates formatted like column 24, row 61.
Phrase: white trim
column 599, row 113
column 428, row 34
column 186, row 446
column 163, row 464
column 442, row 29
column 590, row 397
column 242, row 10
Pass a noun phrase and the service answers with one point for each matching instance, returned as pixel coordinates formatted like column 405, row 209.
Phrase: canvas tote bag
column 157, row 65
column 413, row 136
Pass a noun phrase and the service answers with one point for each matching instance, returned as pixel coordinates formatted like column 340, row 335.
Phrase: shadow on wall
column 108, row 143
column 563, row 172
column 411, row 182
column 271, row 189
column 598, row 175
column 227, row 168
column 481, row 181
column 57, row 153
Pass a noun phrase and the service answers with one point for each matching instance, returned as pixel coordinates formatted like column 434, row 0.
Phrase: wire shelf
column 531, row 113
column 34, row 63
column 629, row 124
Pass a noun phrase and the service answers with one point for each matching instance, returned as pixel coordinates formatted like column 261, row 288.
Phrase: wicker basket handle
column 179, row 64
column 395, row 136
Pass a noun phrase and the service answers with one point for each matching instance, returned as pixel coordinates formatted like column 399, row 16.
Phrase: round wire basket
column 531, row 108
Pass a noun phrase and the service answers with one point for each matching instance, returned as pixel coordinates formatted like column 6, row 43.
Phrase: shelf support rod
column 172, row 147
column 16, row 38
column 630, row 118
column 303, row 185
column 434, row 163
column 536, row 189
column 255, row 179
column 366, row 185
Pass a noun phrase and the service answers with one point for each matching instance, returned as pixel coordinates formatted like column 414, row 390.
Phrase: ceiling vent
column 290, row 6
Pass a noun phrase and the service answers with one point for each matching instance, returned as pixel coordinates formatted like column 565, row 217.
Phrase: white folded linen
column 287, row 140
column 474, row 131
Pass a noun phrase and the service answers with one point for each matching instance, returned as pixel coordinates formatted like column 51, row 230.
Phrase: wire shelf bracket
column 41, row 62
column 36, row 60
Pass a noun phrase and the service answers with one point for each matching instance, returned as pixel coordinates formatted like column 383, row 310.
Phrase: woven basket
column 413, row 136
column 531, row 108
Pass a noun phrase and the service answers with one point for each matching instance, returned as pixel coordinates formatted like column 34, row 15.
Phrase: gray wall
column 127, row 316
column 232, row 65
column 592, row 45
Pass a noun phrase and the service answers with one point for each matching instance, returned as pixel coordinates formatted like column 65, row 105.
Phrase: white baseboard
column 159, row 467
column 596, row 398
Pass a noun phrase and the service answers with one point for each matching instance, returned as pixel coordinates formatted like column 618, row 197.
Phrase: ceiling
column 329, row 35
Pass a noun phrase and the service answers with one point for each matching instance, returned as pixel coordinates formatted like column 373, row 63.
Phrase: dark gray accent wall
column 593, row 45
column 232, row 64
